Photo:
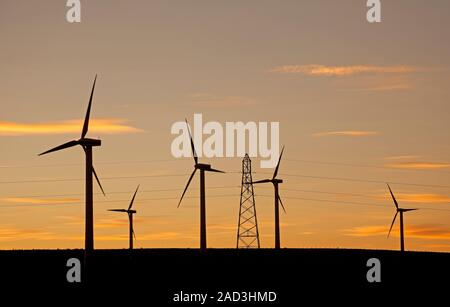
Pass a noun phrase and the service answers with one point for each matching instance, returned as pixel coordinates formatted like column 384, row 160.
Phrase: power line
column 362, row 180
column 82, row 179
column 117, row 192
column 364, row 165
column 178, row 160
column 232, row 172
column 101, row 178
column 223, row 195
column 113, row 201
column 171, row 190
column 97, row 163
column 326, row 192
column 349, row 202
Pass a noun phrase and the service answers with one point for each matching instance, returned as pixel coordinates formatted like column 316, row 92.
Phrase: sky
column 359, row 104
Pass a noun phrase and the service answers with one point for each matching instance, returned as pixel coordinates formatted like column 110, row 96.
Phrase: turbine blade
column 215, row 171
column 282, row 206
column 117, row 210
column 393, row 221
column 134, row 196
column 134, row 235
column 96, row 177
column 88, row 112
column 262, row 181
column 98, row 181
column 60, row 147
column 406, row 210
column 187, row 185
column 393, row 197
column 194, row 153
column 275, row 173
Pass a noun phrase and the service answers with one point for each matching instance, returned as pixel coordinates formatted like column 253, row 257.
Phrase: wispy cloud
column 206, row 99
column 390, row 87
column 420, row 198
column 17, row 234
column 40, row 201
column 431, row 232
column 105, row 126
column 349, row 133
column 339, row 71
column 160, row 236
column 419, row 165
column 402, row 157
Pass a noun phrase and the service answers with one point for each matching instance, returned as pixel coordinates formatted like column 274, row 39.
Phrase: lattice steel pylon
column 248, row 233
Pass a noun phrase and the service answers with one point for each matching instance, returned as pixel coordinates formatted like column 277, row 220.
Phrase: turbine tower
column 87, row 145
column 130, row 213
column 399, row 210
column 203, row 168
column 248, row 234
column 278, row 201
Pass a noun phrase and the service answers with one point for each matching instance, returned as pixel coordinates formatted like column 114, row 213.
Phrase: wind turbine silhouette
column 278, row 201
column 87, row 145
column 203, row 168
column 401, row 210
column 130, row 216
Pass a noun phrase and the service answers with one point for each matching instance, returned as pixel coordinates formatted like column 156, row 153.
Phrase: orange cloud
column 351, row 133
column 421, row 198
column 105, row 125
column 367, row 231
column 419, row 165
column 431, row 232
column 160, row 236
column 389, row 85
column 323, row 70
column 16, row 234
column 41, row 201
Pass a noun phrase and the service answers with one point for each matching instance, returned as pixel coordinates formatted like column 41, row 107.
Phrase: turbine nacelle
column 202, row 166
column 123, row 210
column 90, row 142
column 83, row 141
column 86, row 144
column 206, row 168
column 406, row 210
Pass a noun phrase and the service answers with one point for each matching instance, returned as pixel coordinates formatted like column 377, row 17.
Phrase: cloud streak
column 348, row 133
column 104, row 126
column 339, row 71
column 41, row 201
column 17, row 234
column 402, row 157
column 419, row 165
column 420, row 198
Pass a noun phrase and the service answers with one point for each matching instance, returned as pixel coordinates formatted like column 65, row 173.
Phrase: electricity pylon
column 247, row 234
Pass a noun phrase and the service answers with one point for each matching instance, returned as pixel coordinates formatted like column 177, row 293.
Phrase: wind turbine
column 399, row 210
column 87, row 145
column 130, row 217
column 203, row 168
column 275, row 181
